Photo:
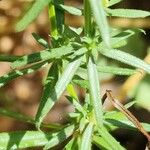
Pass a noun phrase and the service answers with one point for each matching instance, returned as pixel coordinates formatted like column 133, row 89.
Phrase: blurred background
column 23, row 94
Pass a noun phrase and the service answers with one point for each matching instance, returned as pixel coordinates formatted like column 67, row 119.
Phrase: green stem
column 87, row 18
column 52, row 18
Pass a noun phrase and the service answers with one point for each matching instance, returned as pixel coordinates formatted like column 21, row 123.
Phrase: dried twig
column 126, row 112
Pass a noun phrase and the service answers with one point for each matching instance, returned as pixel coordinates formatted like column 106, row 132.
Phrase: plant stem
column 87, row 19
column 52, row 18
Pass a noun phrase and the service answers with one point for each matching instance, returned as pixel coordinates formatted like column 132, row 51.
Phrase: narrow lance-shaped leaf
column 128, row 13
column 17, row 73
column 121, row 39
column 87, row 137
column 69, row 9
column 59, row 137
column 101, row 143
column 49, row 85
column 51, row 94
column 40, row 40
column 76, row 105
column 114, row 144
column 60, row 16
column 70, row 144
column 42, row 56
column 113, row 2
column 15, row 115
column 32, row 13
column 8, row 58
column 24, row 118
column 94, row 91
column 26, row 139
column 101, row 20
column 116, row 119
column 127, row 59
column 73, row 144
column 116, row 70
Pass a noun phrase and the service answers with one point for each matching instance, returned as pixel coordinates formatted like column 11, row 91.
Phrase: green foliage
column 30, row 15
column 74, row 55
column 128, row 13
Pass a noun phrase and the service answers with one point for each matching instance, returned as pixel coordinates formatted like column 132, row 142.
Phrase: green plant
column 71, row 50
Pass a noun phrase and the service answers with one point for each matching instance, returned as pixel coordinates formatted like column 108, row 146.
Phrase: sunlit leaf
column 42, row 56
column 114, row 144
column 17, row 73
column 120, row 39
column 101, row 20
column 40, row 40
column 126, row 58
column 26, row 139
column 115, row 70
column 113, row 2
column 128, row 13
column 116, row 119
column 87, row 137
column 52, row 93
column 69, row 9
column 59, row 137
column 101, row 143
column 32, row 14
column 94, row 91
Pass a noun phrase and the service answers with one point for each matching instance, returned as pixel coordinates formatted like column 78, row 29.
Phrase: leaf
column 71, row 33
column 101, row 20
column 60, row 16
column 126, row 58
column 120, row 39
column 116, row 119
column 81, row 82
column 128, row 13
column 114, row 144
column 73, row 144
column 101, row 143
column 94, row 90
column 31, row 14
column 23, row 139
column 69, row 9
column 53, row 93
column 48, row 92
column 113, row 2
column 17, row 73
column 72, row 92
column 8, row 58
column 42, row 56
column 21, row 117
column 130, row 104
column 70, row 144
column 26, row 139
column 116, row 70
column 87, row 137
column 40, row 40
column 16, row 115
column 77, row 105
column 59, row 137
